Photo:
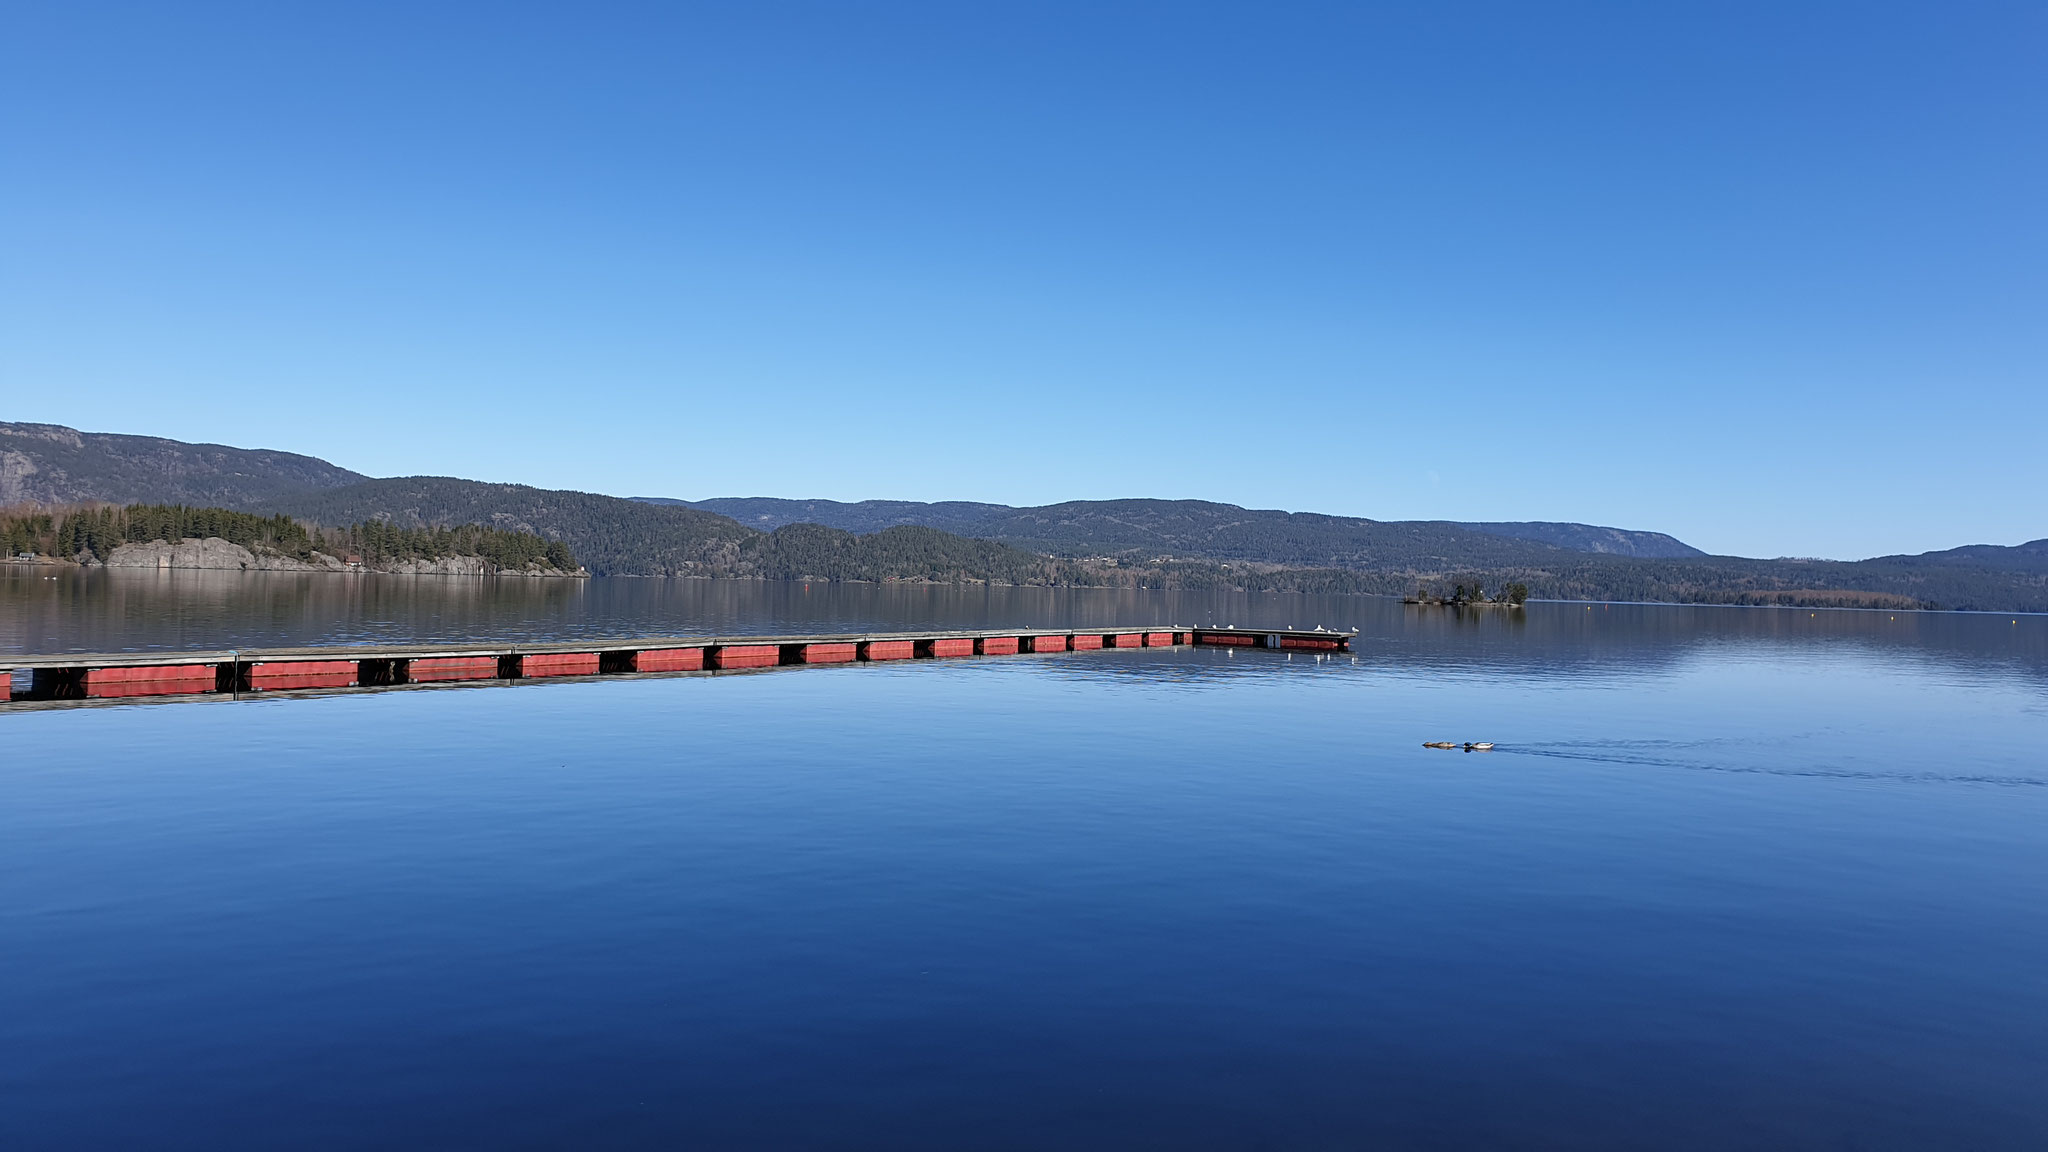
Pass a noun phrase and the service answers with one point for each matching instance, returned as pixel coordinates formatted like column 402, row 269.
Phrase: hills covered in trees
column 1591, row 538
column 97, row 531
column 1141, row 529
column 52, row 464
column 611, row 536
column 631, row 538
column 1112, row 543
column 1134, row 543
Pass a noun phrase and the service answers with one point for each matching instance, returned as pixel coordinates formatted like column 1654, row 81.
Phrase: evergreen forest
column 96, row 530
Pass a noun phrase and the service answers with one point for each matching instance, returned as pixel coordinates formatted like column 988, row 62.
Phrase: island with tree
column 1472, row 595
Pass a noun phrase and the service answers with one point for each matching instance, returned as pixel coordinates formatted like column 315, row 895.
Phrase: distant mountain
column 53, row 464
column 1591, row 538
column 1200, row 528
column 768, row 513
column 2029, row 557
column 1191, row 544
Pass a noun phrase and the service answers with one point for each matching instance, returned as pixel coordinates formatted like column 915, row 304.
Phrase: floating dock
column 102, row 675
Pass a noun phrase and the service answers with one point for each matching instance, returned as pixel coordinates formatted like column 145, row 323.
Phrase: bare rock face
column 16, row 477
column 214, row 553
column 218, row 554
column 53, row 464
column 445, row 566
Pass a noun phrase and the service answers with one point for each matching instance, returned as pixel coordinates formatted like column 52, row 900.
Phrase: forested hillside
column 813, row 552
column 1125, row 543
column 51, row 464
column 2029, row 557
column 960, row 517
column 631, row 537
column 1144, row 529
column 634, row 538
column 1590, row 538
column 93, row 532
column 611, row 536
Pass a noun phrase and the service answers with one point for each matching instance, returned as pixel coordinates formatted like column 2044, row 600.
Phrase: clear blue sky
column 1772, row 277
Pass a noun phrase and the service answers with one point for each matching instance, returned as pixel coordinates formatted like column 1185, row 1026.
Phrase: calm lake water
column 1743, row 878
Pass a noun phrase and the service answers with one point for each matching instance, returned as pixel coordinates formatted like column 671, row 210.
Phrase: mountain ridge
column 1052, row 526
column 1120, row 543
column 53, row 464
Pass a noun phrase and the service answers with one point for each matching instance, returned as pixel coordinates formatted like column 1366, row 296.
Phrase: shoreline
column 48, row 562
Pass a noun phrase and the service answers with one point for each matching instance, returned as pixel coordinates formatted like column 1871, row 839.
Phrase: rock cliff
column 218, row 554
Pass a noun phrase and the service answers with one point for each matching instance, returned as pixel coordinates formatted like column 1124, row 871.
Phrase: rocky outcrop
column 445, row 566
column 215, row 553
column 467, row 566
column 17, row 477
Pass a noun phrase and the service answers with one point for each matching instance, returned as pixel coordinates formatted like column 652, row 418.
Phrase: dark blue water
column 1744, row 879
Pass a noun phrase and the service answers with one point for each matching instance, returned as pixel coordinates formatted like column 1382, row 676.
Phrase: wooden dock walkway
column 108, row 675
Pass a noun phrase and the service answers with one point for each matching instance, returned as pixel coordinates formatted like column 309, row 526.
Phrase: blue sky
column 1772, row 277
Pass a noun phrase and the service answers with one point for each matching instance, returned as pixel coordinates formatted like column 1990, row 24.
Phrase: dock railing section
column 114, row 675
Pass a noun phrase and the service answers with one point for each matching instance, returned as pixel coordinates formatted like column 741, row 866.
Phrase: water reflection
column 92, row 611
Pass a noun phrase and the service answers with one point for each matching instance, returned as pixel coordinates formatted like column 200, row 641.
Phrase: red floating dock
column 746, row 656
column 537, row 664
column 285, row 675
column 433, row 669
column 1316, row 640
column 153, row 680
column 669, row 660
column 827, row 653
column 75, row 676
column 1319, row 643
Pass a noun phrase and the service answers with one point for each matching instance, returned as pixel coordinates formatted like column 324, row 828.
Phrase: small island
column 1471, row 595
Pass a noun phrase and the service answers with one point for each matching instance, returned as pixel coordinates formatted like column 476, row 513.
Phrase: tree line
column 94, row 531
column 378, row 542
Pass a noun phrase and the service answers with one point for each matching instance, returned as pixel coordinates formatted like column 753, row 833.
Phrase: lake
column 1732, row 877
